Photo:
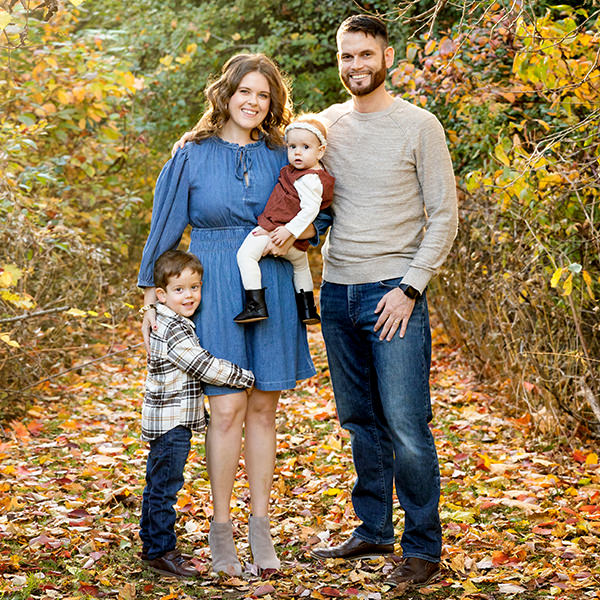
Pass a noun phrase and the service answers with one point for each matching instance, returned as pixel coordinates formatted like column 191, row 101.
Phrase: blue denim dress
column 204, row 185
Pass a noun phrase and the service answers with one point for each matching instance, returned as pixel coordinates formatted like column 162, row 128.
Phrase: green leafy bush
column 519, row 101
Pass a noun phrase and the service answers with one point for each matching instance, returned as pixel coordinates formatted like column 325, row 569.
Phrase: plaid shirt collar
column 164, row 310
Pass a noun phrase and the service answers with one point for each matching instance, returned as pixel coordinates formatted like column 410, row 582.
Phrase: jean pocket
column 390, row 284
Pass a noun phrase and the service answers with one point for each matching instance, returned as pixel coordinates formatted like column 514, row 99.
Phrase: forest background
column 94, row 93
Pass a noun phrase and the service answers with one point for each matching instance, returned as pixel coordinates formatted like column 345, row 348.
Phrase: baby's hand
column 280, row 235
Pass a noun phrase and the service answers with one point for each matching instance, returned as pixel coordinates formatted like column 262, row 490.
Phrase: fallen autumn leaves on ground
column 520, row 515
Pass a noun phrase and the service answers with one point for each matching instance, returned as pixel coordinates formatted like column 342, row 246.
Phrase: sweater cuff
column 417, row 278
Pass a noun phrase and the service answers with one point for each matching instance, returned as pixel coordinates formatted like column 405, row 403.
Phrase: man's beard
column 377, row 78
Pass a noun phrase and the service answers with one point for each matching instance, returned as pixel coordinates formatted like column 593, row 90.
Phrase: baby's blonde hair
column 315, row 124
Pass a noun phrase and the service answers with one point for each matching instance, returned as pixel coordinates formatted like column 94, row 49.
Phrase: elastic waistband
column 224, row 236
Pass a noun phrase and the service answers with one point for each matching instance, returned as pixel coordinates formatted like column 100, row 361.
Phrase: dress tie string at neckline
column 243, row 164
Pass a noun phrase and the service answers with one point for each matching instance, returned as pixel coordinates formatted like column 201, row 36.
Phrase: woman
column 219, row 185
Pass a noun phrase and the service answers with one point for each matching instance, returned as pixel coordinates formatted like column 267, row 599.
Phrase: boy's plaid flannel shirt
column 177, row 366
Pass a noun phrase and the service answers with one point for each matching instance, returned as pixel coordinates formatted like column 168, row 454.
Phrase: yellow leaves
column 129, row 80
column 46, row 109
column 470, row 587
column 411, row 51
column 166, row 60
column 485, row 461
column 75, row 312
column 588, row 282
column 500, row 154
column 7, row 340
column 65, row 96
column 76, row 2
column 18, row 299
column 430, row 46
column 546, row 179
column 5, row 19
column 556, row 277
column 591, row 459
column 567, row 285
column 38, row 70
column 79, row 93
column 9, row 275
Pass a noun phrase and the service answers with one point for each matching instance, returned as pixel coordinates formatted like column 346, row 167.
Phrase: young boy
column 173, row 404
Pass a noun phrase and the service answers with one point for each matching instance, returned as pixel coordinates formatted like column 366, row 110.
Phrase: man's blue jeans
column 382, row 396
column 164, row 478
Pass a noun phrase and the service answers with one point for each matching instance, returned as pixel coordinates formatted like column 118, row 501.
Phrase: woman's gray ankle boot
column 222, row 549
column 261, row 544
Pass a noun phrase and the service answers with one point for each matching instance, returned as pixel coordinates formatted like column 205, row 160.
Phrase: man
column 394, row 220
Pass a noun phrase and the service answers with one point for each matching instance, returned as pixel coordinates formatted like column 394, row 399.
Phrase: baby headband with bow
column 308, row 127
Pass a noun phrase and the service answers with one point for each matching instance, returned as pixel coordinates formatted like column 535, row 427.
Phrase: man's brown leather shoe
column 414, row 571
column 173, row 563
column 353, row 547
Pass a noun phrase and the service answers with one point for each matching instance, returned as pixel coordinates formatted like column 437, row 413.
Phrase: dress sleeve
column 310, row 192
column 170, row 214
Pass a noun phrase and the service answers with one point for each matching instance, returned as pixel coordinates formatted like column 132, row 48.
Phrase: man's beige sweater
column 394, row 207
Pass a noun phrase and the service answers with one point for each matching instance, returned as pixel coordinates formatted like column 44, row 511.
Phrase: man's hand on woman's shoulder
column 181, row 142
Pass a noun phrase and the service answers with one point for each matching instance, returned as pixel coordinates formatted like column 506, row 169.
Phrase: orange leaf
column 20, row 430
column 499, row 558
column 35, row 427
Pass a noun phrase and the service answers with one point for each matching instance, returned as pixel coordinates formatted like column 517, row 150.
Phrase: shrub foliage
column 94, row 93
column 519, row 99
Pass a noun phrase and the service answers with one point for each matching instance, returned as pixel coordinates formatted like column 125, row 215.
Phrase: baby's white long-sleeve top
column 310, row 192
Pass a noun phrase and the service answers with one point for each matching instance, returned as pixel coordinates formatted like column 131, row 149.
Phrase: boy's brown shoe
column 174, row 564
column 143, row 556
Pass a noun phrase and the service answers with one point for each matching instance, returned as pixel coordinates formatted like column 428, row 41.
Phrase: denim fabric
column 382, row 396
column 164, row 478
column 204, row 186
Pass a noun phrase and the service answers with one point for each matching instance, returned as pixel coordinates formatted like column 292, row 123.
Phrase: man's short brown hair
column 172, row 263
column 367, row 24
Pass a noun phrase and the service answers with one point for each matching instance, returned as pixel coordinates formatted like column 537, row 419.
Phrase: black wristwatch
column 410, row 291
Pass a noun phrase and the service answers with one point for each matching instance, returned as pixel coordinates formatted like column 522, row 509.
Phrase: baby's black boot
column 307, row 311
column 255, row 308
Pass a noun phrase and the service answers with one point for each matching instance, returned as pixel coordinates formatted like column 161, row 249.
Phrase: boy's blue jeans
column 382, row 396
column 164, row 478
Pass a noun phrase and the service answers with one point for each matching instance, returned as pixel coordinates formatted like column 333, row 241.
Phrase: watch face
column 410, row 291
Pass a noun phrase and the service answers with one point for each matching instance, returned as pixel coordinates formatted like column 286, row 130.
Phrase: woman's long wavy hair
column 219, row 92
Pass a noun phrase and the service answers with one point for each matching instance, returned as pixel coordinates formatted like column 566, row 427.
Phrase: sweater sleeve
column 197, row 362
column 170, row 214
column 438, row 186
column 310, row 192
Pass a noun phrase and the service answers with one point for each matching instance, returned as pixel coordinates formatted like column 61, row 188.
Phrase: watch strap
column 410, row 291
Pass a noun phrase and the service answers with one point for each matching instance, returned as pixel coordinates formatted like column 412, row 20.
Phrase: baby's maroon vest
column 284, row 204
